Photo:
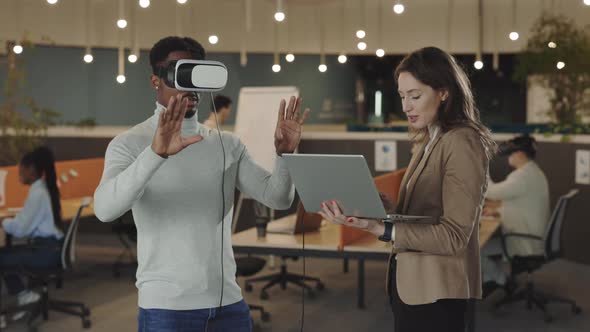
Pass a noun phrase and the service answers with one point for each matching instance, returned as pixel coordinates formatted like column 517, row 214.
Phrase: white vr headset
column 194, row 75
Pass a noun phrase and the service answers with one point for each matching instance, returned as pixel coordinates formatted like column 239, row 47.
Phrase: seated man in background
column 521, row 202
column 223, row 110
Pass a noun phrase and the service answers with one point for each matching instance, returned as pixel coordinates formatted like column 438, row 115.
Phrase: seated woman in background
column 521, row 201
column 38, row 221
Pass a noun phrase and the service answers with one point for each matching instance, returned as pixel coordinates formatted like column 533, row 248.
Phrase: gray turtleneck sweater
column 176, row 204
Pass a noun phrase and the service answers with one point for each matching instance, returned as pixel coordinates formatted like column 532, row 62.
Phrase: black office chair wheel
column 320, row 286
column 86, row 324
column 265, row 316
column 576, row 310
column 548, row 319
column 263, row 295
column 248, row 288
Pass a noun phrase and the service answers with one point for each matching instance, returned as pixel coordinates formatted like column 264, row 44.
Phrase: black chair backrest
column 68, row 249
column 553, row 233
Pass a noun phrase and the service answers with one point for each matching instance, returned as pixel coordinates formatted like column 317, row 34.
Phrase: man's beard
column 190, row 114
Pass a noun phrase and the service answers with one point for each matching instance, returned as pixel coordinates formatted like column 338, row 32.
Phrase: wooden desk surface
column 487, row 228
column 69, row 207
column 372, row 244
column 329, row 236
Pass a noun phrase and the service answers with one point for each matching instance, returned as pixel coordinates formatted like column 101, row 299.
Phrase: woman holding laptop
column 434, row 269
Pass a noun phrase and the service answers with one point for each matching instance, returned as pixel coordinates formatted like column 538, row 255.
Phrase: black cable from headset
column 222, row 198
column 303, row 288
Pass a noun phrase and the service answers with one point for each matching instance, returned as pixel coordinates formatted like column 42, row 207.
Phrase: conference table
column 325, row 242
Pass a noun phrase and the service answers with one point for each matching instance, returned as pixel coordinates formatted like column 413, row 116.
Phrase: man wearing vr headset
column 522, row 203
column 168, row 170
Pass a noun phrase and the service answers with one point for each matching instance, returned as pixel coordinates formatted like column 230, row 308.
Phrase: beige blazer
column 441, row 261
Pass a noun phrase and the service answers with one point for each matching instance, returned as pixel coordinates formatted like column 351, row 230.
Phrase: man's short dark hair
column 221, row 102
column 165, row 46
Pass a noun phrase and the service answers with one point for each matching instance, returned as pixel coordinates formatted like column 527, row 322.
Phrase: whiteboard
column 256, row 120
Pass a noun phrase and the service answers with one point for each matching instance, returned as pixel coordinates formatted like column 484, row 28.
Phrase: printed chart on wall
column 3, row 187
column 385, row 156
column 583, row 166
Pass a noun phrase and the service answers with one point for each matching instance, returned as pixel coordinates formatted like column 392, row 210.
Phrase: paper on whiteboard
column 3, row 187
column 583, row 166
column 256, row 120
column 385, row 156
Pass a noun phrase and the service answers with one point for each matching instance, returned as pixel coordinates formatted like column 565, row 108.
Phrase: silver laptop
column 344, row 178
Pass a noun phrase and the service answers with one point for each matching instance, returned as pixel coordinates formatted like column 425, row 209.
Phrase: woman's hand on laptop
column 331, row 211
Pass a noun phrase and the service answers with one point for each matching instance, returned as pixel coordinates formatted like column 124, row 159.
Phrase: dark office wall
column 58, row 79
column 500, row 99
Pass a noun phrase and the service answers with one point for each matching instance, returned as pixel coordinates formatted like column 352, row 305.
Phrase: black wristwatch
column 386, row 237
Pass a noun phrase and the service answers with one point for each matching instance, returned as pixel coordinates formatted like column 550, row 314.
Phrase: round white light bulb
column 52, row 2
column 132, row 58
column 361, row 46
column 478, row 64
column 399, row 8
column 587, row 2
column 553, row 44
column 361, row 34
column 290, row 57
column 276, row 68
column 560, row 65
column 380, row 52
column 279, row 16
column 88, row 58
column 122, row 24
column 213, row 39
column 182, row 2
column 322, row 68
column 513, row 35
column 144, row 3
column 18, row 49
column 121, row 79
column 342, row 58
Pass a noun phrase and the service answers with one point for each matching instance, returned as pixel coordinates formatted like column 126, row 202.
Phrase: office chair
column 44, row 276
column 127, row 234
column 531, row 263
column 248, row 266
column 284, row 277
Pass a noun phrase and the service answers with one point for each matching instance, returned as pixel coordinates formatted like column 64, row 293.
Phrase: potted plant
column 557, row 58
column 23, row 123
